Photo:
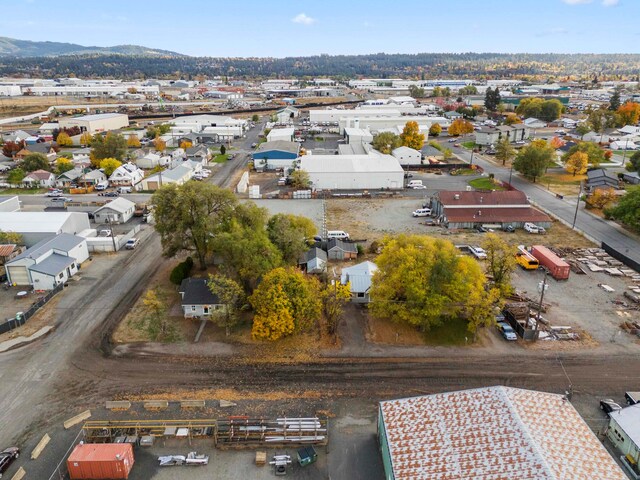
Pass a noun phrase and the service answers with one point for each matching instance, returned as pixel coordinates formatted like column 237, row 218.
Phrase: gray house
column 119, row 210
column 339, row 250
column 359, row 278
column 602, row 178
column 313, row 260
column 197, row 300
column 491, row 135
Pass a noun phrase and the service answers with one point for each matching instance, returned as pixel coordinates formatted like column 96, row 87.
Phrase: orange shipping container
column 100, row 461
column 558, row 268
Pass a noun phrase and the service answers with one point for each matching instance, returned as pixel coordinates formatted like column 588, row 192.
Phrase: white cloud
column 610, row 3
column 303, row 19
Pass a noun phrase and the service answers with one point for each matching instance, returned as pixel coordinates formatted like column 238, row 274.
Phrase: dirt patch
column 390, row 333
column 224, row 393
column 43, row 318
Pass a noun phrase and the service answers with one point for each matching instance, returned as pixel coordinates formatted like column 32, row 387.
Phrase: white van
column 422, row 212
column 337, row 234
column 123, row 190
column 414, row 183
column 103, row 185
column 531, row 228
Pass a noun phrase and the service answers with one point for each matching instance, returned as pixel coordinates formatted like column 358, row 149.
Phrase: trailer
column 558, row 268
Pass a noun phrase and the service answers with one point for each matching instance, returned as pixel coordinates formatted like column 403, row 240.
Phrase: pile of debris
column 524, row 317
column 597, row 260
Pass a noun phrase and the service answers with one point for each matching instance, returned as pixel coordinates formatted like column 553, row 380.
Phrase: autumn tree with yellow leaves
column 411, row 136
column 577, row 163
column 460, row 127
column 133, row 141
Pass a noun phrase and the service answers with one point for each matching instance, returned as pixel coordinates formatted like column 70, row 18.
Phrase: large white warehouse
column 37, row 226
column 353, row 172
column 100, row 122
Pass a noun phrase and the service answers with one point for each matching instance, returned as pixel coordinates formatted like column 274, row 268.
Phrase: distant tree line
column 380, row 65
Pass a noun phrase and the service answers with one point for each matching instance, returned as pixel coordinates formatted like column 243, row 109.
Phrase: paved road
column 595, row 228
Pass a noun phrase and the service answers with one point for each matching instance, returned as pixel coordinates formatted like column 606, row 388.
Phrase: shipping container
column 100, row 461
column 558, row 268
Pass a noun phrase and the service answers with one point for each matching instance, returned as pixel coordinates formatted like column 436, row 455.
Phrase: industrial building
column 48, row 263
column 488, row 434
column 285, row 134
column 491, row 135
column 353, row 172
column 101, row 122
column 499, row 209
column 37, row 226
column 407, row 156
column 624, row 434
column 275, row 155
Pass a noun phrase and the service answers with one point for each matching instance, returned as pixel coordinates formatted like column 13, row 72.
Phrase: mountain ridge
column 13, row 47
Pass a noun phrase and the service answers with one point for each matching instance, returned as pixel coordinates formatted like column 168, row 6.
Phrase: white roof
column 99, row 116
column 349, row 163
column 405, row 151
column 629, row 420
column 35, row 222
column 120, row 205
column 359, row 276
column 493, row 433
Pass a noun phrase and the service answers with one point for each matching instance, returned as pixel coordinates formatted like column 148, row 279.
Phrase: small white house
column 533, row 122
column 125, row 175
column 119, row 210
column 39, row 179
column 197, row 300
column 407, row 156
column 623, row 145
column 178, row 175
column 359, row 278
column 49, row 262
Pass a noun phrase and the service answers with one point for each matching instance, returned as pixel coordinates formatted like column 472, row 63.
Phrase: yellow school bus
column 526, row 260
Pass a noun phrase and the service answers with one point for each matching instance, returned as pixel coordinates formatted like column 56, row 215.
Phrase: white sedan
column 478, row 252
column 419, row 187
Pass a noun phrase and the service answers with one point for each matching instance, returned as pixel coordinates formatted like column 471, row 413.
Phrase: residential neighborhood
column 259, row 259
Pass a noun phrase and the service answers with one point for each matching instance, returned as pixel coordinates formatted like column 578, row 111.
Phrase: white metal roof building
column 493, row 433
column 624, row 432
column 353, row 172
column 359, row 278
column 100, row 122
column 36, row 226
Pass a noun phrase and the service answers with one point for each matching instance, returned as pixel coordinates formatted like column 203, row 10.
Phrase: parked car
column 54, row 193
column 531, row 227
column 60, row 199
column 481, row 229
column 452, row 140
column 7, row 456
column 104, row 233
column 507, row 332
column 254, row 145
column 171, row 460
column 478, row 252
column 422, row 212
column 109, row 194
column 490, row 151
column 132, row 243
column 607, row 406
column 408, row 175
column 509, row 229
column 458, row 145
column 419, row 187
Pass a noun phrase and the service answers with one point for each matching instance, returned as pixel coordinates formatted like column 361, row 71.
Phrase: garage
column 18, row 274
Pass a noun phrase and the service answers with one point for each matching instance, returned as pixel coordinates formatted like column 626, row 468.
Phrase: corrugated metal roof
column 494, row 433
column 120, row 205
column 495, row 215
column 7, row 249
column 52, row 265
column 349, row 163
column 26, row 222
column 63, row 242
column 629, row 420
column 282, row 145
column 461, row 198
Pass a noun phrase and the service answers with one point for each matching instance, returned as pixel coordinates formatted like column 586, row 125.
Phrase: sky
column 280, row 28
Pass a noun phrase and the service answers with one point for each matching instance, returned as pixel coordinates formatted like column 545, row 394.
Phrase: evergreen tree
column 614, row 102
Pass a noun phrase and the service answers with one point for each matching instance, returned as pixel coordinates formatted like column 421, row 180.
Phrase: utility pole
column 510, row 173
column 113, row 238
column 542, row 286
column 575, row 215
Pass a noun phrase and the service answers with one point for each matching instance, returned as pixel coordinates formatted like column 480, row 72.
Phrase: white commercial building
column 37, row 226
column 198, row 123
column 407, row 156
column 48, row 263
column 358, row 135
column 100, row 122
column 9, row 204
column 285, row 134
column 119, row 210
column 394, row 124
column 91, row 90
column 10, row 91
column 353, row 172
column 335, row 114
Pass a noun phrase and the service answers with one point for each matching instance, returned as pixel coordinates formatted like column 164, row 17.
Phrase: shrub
column 181, row 271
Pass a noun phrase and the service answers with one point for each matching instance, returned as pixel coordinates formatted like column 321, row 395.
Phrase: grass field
column 469, row 145
column 562, row 182
column 221, row 158
column 485, row 183
column 23, row 191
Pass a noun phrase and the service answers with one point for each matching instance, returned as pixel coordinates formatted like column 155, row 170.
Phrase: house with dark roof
column 45, row 149
column 313, row 260
column 491, row 135
column 602, row 178
column 462, row 209
column 340, row 250
column 196, row 299
column 199, row 153
column 49, row 262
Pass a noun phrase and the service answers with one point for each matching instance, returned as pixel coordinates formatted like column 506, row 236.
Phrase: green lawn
column 23, row 191
column 452, row 332
column 484, row 183
column 466, row 171
column 469, row 145
column 221, row 158
column 435, row 145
